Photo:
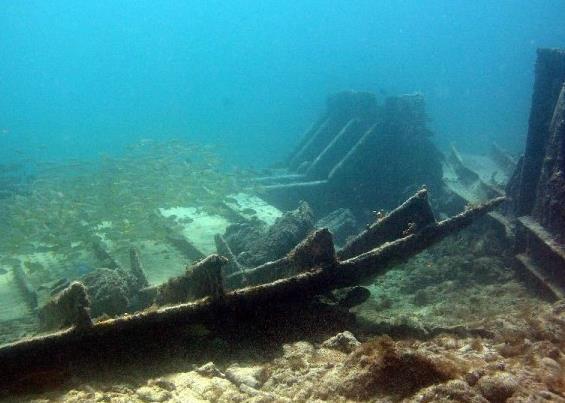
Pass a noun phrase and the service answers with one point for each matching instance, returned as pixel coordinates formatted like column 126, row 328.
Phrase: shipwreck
column 375, row 159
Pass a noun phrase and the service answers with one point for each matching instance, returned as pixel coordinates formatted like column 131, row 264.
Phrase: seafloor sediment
column 452, row 324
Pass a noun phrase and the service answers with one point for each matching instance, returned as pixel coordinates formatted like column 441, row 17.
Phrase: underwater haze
column 293, row 200
column 82, row 78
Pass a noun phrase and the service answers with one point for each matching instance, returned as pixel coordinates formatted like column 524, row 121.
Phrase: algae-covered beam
column 351, row 156
column 103, row 254
column 70, row 307
column 331, row 154
column 279, row 179
column 375, row 262
column 201, row 279
column 137, row 268
column 550, row 75
column 25, row 286
column 415, row 213
column 313, row 138
column 314, row 251
column 224, row 249
column 549, row 208
column 306, row 137
column 184, row 246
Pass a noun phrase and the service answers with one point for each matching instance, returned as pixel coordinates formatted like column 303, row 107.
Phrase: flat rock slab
column 486, row 168
column 199, row 227
column 161, row 261
column 250, row 206
column 12, row 303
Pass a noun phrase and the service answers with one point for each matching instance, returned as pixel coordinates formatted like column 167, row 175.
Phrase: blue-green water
column 139, row 140
column 82, row 78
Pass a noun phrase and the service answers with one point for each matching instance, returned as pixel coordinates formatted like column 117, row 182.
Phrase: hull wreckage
column 312, row 268
column 359, row 152
column 358, row 160
column 537, row 187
